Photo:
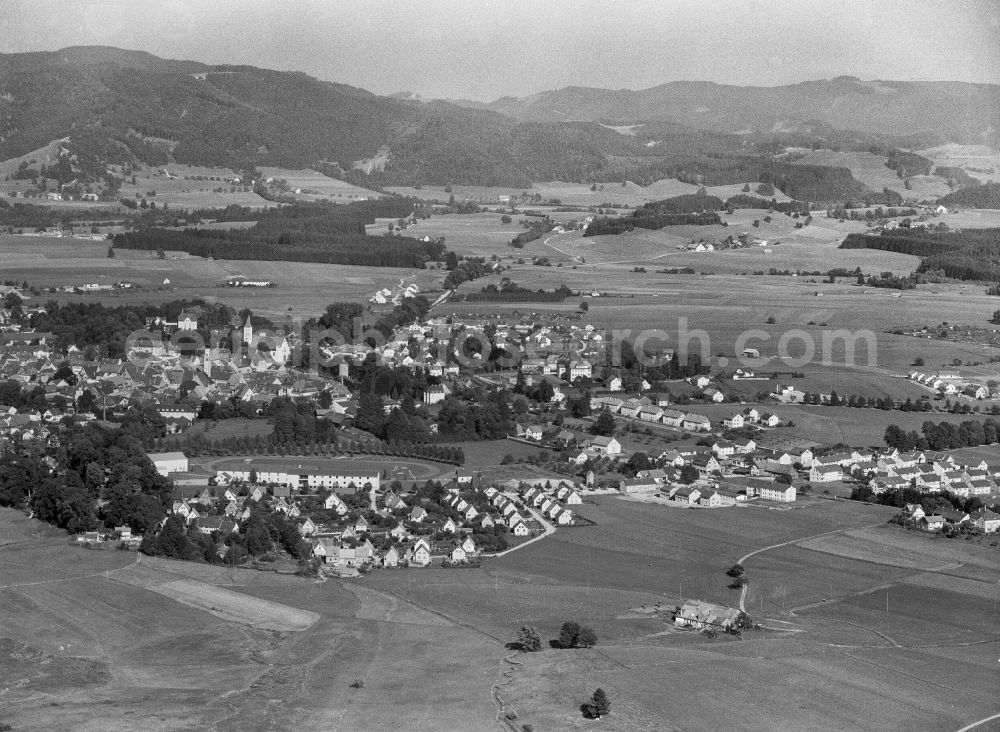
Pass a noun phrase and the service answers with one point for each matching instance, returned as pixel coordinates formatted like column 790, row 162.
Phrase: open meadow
column 181, row 190
column 303, row 289
column 840, row 664
column 833, row 425
column 579, row 194
column 871, row 170
column 310, row 185
column 977, row 160
column 100, row 638
column 807, row 313
column 94, row 640
column 476, row 235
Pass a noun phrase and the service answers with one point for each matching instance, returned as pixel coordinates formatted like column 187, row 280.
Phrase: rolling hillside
column 955, row 111
column 111, row 109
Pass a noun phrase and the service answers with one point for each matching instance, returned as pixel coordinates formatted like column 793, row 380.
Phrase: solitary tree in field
column 568, row 633
column 573, row 635
column 598, row 706
column 735, row 571
column 586, row 637
column 528, row 639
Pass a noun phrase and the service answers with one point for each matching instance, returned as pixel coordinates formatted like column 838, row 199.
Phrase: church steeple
column 248, row 331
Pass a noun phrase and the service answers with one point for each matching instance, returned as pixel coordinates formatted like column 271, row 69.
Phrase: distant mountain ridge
column 118, row 105
column 963, row 112
column 121, row 107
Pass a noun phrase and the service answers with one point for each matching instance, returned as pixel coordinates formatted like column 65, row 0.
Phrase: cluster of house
column 953, row 385
column 254, row 366
column 29, row 426
column 735, row 470
column 154, row 372
column 441, row 535
column 983, row 519
column 714, row 487
column 929, row 472
column 297, row 491
column 550, row 501
column 745, row 239
column 703, row 615
column 644, row 409
column 386, row 295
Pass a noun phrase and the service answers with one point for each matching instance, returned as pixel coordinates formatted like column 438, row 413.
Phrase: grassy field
column 726, row 306
column 315, row 186
column 579, row 194
column 832, row 425
column 182, row 192
column 966, row 156
column 428, row 644
column 90, row 650
column 303, row 288
column 871, row 170
column 831, row 660
column 478, row 235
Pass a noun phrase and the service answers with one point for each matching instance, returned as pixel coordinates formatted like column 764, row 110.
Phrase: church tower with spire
column 248, row 331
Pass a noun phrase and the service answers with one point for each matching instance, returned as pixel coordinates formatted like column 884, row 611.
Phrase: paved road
column 549, row 530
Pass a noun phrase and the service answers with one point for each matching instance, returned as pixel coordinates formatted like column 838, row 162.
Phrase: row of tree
column 972, row 254
column 944, row 435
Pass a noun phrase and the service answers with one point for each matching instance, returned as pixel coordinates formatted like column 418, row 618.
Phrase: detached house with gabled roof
column 604, row 445
column 986, row 521
column 420, row 554
column 825, row 474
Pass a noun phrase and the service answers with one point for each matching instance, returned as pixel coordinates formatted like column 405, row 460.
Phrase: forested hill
column 211, row 115
column 986, row 195
column 114, row 107
column 970, row 254
column 302, row 233
column 118, row 106
column 960, row 111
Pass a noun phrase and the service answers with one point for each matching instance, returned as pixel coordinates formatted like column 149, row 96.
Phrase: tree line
column 103, row 330
column 300, row 246
column 971, row 254
column 944, row 435
column 101, row 477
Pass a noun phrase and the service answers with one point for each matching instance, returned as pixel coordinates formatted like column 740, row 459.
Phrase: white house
column 420, row 553
column 825, row 474
column 778, row 492
column 605, row 445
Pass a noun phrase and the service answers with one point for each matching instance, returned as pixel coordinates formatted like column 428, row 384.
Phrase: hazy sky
column 483, row 49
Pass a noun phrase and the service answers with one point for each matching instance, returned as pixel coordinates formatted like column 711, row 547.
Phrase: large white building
column 169, row 462
column 303, row 477
column 778, row 492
